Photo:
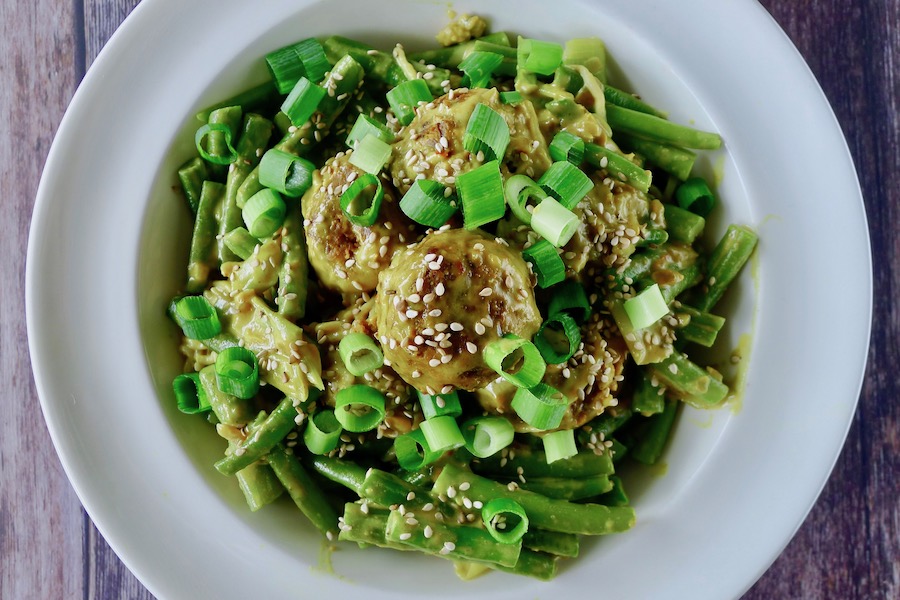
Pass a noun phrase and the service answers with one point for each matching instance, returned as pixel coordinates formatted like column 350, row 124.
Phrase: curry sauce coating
column 442, row 301
column 346, row 257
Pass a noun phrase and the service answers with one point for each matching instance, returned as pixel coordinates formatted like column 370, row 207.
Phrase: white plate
column 108, row 240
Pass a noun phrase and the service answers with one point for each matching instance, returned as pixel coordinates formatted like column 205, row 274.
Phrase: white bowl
column 108, row 246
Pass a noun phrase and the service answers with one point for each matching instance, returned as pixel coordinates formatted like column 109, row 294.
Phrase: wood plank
column 40, row 516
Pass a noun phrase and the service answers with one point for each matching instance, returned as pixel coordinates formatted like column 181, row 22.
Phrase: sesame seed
column 434, row 266
column 479, row 329
column 486, row 292
column 428, row 532
column 472, row 348
column 412, row 314
column 434, row 363
column 439, row 289
column 456, row 326
column 405, row 536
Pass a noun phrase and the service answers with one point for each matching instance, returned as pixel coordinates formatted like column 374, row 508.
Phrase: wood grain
column 848, row 548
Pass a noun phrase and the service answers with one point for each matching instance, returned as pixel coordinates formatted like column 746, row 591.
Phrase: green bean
column 304, row 491
column 451, row 56
column 551, row 542
column 259, row 485
column 683, row 226
column 725, row 262
column 375, row 62
column 294, row 271
column 367, row 527
column 659, row 130
column 449, row 541
column 568, row 488
column 241, row 242
column 538, row 565
column 626, row 100
column 533, row 463
column 609, row 422
column 655, row 236
column 386, row 489
column 192, row 174
column 204, row 255
column 700, row 327
column 543, row 512
column 647, row 398
column 228, row 409
column 618, row 450
column 216, row 143
column 616, row 496
column 347, row 473
column 250, row 147
column 256, row 97
column 655, row 433
column 671, row 159
column 687, row 381
column 261, row 440
column 618, row 166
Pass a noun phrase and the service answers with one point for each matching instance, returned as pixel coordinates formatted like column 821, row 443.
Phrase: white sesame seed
column 486, row 292
column 434, row 363
column 456, row 326
column 471, row 347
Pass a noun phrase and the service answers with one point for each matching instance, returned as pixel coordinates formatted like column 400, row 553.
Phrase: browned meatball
column 346, row 257
column 446, row 298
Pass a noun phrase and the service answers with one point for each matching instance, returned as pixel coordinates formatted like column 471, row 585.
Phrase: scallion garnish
column 567, row 147
column 371, row 154
column 566, row 182
column 558, row 338
column 362, row 200
column 426, row 204
column 478, row 67
column 559, row 445
column 486, row 132
column 646, row 308
column 237, row 372
column 225, row 131
column 518, row 191
column 442, row 433
column 413, row 452
column 323, row 432
column 190, row 396
column 554, row 222
column 359, row 408
column 570, row 297
column 303, row 101
column 538, row 56
column 405, row 98
column 264, row 213
column 486, row 436
column 366, row 125
column 512, row 97
column 305, row 58
column 360, row 354
column 440, row 405
column 481, row 194
column 546, row 263
column 197, row 318
column 515, row 359
column 287, row 174
column 541, row 407
column 695, row 196
column 505, row 520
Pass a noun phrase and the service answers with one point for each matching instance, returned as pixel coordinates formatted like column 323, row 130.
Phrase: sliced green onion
column 512, row 97
column 323, row 432
column 361, row 202
column 287, row 174
column 206, row 130
column 559, row 445
column 481, row 194
column 405, row 98
column 366, row 125
column 554, row 222
column 541, row 407
column 413, row 451
column 695, row 196
column 505, row 520
column 189, row 394
column 264, row 213
column 359, row 408
column 538, row 56
column 426, row 204
column 478, row 67
column 548, row 266
column 646, row 308
column 239, row 241
column 197, row 318
column 440, row 405
column 237, row 372
column 303, row 101
column 486, row 436
column 360, row 354
column 371, row 154
column 589, row 52
column 486, row 132
column 558, row 338
column 567, row 147
column 518, row 191
column 516, row 360
column 570, row 297
column 566, row 182
column 289, row 64
column 442, row 433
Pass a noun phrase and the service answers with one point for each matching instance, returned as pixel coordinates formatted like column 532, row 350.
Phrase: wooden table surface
column 849, row 546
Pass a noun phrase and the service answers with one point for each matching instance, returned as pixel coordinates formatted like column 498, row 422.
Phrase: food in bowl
column 437, row 298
